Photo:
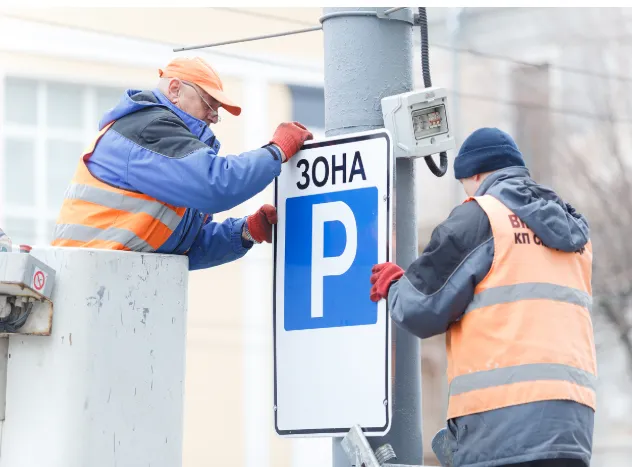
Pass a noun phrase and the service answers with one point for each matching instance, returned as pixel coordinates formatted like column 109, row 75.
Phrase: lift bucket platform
column 106, row 387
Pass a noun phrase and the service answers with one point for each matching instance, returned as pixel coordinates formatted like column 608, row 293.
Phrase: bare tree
column 592, row 158
column 607, row 203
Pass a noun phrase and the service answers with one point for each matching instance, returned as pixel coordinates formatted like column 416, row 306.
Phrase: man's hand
column 383, row 276
column 290, row 137
column 259, row 225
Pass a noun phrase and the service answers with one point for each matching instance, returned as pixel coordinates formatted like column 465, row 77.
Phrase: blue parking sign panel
column 344, row 295
column 335, row 223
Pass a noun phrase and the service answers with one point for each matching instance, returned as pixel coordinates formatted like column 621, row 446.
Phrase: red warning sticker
column 39, row 280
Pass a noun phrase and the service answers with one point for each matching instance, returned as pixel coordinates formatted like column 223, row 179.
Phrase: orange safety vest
column 97, row 215
column 527, row 335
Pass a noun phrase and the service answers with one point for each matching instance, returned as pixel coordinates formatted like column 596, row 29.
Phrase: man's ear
column 174, row 90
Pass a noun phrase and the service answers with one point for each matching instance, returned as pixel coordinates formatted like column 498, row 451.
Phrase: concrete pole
column 366, row 59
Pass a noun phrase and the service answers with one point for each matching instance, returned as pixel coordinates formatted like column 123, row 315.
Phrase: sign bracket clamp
column 360, row 453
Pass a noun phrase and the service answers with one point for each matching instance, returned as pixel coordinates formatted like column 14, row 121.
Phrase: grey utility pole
column 368, row 57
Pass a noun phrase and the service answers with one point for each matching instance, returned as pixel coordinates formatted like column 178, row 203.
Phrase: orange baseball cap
column 197, row 71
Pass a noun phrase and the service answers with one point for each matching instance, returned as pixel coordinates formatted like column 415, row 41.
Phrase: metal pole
column 367, row 58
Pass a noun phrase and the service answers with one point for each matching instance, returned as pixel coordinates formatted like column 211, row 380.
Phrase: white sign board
column 332, row 344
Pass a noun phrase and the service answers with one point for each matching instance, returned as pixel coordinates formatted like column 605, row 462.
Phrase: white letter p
column 332, row 265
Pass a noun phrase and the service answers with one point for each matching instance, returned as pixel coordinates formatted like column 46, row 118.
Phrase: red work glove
column 290, row 137
column 383, row 275
column 260, row 223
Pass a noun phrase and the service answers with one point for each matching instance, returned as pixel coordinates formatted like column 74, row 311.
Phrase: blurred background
column 558, row 80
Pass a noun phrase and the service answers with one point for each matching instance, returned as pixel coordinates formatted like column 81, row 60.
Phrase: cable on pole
column 248, row 39
column 425, row 68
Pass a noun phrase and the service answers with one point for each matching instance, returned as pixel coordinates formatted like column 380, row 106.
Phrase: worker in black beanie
column 508, row 277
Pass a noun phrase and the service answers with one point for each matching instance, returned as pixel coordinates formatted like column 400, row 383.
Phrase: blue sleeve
column 438, row 286
column 171, row 165
column 218, row 243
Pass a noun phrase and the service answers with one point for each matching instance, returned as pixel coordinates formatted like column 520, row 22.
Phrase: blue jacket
column 437, row 288
column 159, row 150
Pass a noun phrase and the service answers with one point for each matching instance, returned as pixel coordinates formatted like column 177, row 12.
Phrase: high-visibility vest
column 527, row 335
column 95, row 214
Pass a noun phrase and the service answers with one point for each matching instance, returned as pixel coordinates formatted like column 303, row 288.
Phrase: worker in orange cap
column 152, row 179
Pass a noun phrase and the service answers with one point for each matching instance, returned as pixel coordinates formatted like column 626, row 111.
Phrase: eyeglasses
column 214, row 113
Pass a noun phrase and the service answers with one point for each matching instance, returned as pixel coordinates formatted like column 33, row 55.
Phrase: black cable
column 425, row 69
column 15, row 320
column 425, row 54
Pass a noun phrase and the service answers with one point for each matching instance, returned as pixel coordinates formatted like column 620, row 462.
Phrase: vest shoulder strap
column 90, row 149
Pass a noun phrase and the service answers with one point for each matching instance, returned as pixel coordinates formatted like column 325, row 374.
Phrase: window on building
column 45, row 126
column 308, row 107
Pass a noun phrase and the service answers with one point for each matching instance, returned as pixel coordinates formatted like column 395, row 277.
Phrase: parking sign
column 332, row 361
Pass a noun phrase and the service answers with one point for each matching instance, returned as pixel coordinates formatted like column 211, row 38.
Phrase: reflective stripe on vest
column 97, row 215
column 527, row 335
column 529, row 291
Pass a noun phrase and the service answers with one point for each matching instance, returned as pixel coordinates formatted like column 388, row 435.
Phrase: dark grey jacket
column 437, row 288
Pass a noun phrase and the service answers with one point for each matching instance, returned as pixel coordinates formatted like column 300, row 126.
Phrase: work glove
column 258, row 227
column 290, row 137
column 383, row 276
